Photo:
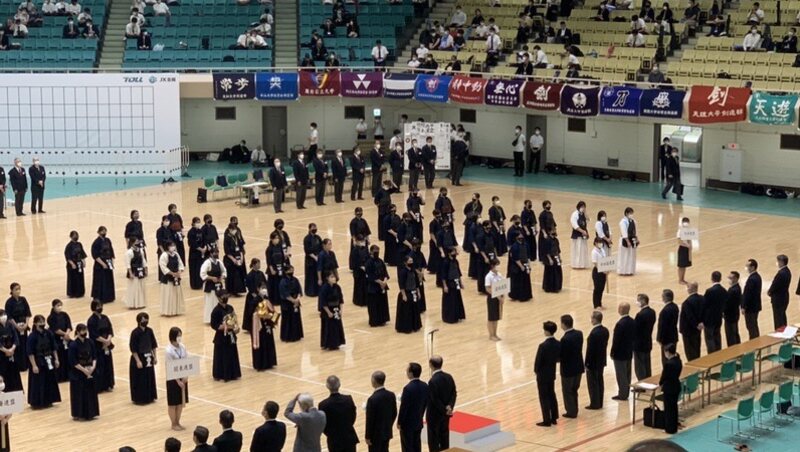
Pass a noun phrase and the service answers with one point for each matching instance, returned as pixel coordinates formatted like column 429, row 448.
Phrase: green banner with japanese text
column 773, row 109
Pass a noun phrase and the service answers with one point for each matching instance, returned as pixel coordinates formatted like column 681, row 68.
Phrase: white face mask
column 603, row 219
column 173, row 251
column 319, row 156
column 3, row 318
column 2, row 387
column 338, row 154
column 300, row 157
column 497, row 203
column 19, row 164
column 165, row 223
column 36, row 162
column 277, row 164
column 179, row 339
column 630, row 216
column 685, row 224
column 198, row 225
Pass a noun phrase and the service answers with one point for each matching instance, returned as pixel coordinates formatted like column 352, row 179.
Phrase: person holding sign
column 494, row 302
column 626, row 266
column 580, row 236
column 5, row 439
column 82, row 359
column 599, row 278
column 178, row 389
column 42, row 374
column 684, row 251
column 519, row 270
column 143, row 347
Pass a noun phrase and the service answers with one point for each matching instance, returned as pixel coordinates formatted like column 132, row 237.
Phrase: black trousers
column 599, row 281
column 338, row 189
column 410, row 440
column 519, row 167
column 376, row 181
column 277, row 198
column 358, row 188
column 641, row 365
column 713, row 338
column 2, row 201
column 732, row 332
column 37, row 198
column 569, row 390
column 751, row 322
column 413, row 178
column 19, row 199
column 438, row 434
column 596, row 386
column 312, row 151
column 534, row 159
column 547, row 400
column 300, row 194
column 670, row 413
column 675, row 185
column 379, row 446
column 397, row 178
column 779, row 314
column 691, row 345
column 332, row 448
column 662, row 167
column 430, row 175
column 456, row 171
column 319, row 191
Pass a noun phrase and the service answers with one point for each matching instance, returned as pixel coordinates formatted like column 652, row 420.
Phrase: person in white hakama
column 603, row 232
column 626, row 262
column 213, row 273
column 136, row 265
column 580, row 237
column 171, row 290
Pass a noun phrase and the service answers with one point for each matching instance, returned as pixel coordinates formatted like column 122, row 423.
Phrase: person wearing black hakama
column 134, row 228
column 420, row 264
column 444, row 205
column 263, row 341
column 497, row 217
column 330, row 302
column 472, row 212
column 143, row 346
column 101, row 331
column 434, row 255
column 233, row 246
column 327, row 263
column 513, row 231
column 60, row 325
column 312, row 246
column 519, row 270
column 391, row 225
column 9, row 343
column 75, row 257
column 474, row 205
column 177, row 389
column 546, row 224
column 552, row 277
column 197, row 248
column 226, row 356
column 210, row 234
column 414, row 205
column 43, row 372
column 164, row 235
column 405, row 236
column 284, row 240
column 452, row 303
column 446, row 237
column 176, row 226
column 5, row 438
column 82, row 362
column 466, row 242
column 407, row 317
column 358, row 261
column 256, row 283
column 486, row 247
column 383, row 199
column 377, row 288
column 291, row 319
column 358, row 227
column 475, row 230
column 18, row 310
column 276, row 263
column 528, row 221
column 103, row 268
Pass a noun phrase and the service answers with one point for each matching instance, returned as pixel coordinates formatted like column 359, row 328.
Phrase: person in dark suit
column 664, row 151
column 596, row 347
column 2, row 192
column 340, row 415
column 277, row 178
column 413, row 403
column 460, row 152
column 544, row 367
column 200, row 438
column 571, row 365
column 690, row 323
column 144, row 41
column 240, row 152
column 563, row 34
column 733, row 302
column 172, row 444
column 376, row 161
column 751, row 299
column 667, row 332
column 670, row 383
column 19, row 185
column 713, row 307
column 359, row 167
column 442, row 401
column 414, row 154
column 381, row 414
column 300, row 171
column 70, row 30
column 643, row 338
column 673, row 177
column 429, row 162
column 397, row 160
column 622, row 350
column 339, row 171
column 38, row 176
column 779, row 292
column 320, row 174
column 271, row 435
column 229, row 440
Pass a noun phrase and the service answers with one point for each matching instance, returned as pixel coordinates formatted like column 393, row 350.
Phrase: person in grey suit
column 310, row 423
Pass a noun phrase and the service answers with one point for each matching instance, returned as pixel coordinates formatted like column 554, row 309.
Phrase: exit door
column 273, row 129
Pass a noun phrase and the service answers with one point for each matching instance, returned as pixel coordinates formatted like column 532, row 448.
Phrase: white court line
column 361, row 331
column 702, row 231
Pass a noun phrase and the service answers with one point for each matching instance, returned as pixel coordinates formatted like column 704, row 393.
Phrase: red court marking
column 464, row 422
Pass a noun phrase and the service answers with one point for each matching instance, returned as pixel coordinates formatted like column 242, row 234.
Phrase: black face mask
column 376, row 254
column 313, row 231
column 208, row 222
column 84, row 335
column 99, row 310
column 289, row 274
column 547, row 208
column 144, row 323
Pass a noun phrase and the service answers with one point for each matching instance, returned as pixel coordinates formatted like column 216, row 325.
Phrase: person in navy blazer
column 622, row 350
column 376, row 160
column 320, row 175
column 690, row 323
column 596, row 347
column 441, row 403
column 571, row 365
column 229, row 440
column 277, row 178
column 667, row 332
column 779, row 292
column 544, row 366
column 713, row 308
column 300, row 171
column 643, row 340
column 413, row 403
column 339, row 172
column 381, row 414
column 38, row 175
column 19, row 185
column 359, row 169
column 751, row 299
column 340, row 415
column 270, row 436
column 2, row 191
column 733, row 303
column 670, row 383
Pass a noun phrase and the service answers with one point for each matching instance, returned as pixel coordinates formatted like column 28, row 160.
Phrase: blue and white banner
column 399, row 86
column 432, row 88
column 234, row 86
column 580, row 100
column 660, row 103
column 620, row 101
column 276, row 86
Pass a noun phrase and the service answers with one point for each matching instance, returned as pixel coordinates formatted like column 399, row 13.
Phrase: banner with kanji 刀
column 772, row 109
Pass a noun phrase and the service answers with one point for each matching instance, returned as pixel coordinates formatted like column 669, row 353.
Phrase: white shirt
column 520, row 147
column 493, row 43
column 573, row 60
column 492, row 278
column 49, row 8
column 412, row 63
column 751, row 41
column 132, row 29
column 140, row 20
column 597, row 254
column 269, row 18
column 638, row 24
column 258, row 41
column 264, row 29
column 76, row 8
column 573, row 219
column 635, row 40
column 537, row 141
column 172, row 352
column 395, row 141
column 83, row 17
column 161, row 8
column 482, row 30
column 258, row 155
column 422, row 51
column 380, row 52
column 164, row 260
column 598, row 228
column 361, row 127
column 757, row 16
column 61, row 6
column 313, row 138
column 242, row 40
column 204, row 269
column 459, row 18
column 378, row 128
column 623, row 227
column 446, row 42
column 129, row 257
column 541, row 57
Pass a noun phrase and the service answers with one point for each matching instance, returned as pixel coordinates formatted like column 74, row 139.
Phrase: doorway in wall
column 274, row 131
column 689, row 141
column 531, row 123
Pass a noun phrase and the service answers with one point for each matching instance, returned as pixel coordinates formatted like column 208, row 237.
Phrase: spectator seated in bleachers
column 531, row 9
column 756, row 15
column 352, row 28
column 268, row 16
column 454, row 65
column 133, row 30
column 73, row 8
column 138, row 4
column 788, row 42
column 523, row 28
column 161, row 9
column 422, row 51
column 4, row 43
column 665, row 15
column 264, row 29
column 563, row 34
column 413, row 62
column 624, row 4
column 446, row 41
column 144, row 41
column 539, row 58
column 379, row 54
column 647, row 13
column 717, row 24
column 459, row 42
column 85, row 15
column 312, row 42
column 328, row 28
column 714, row 10
column 70, row 30
column 307, row 61
column 250, row 40
column 494, row 48
column 637, row 23
column 459, row 18
column 655, row 75
column 603, row 12
column 49, row 8
column 318, row 52
column 258, row 157
column 19, row 30
column 573, row 52
column 339, row 13
column 477, row 19
column 140, row 19
column 752, row 41
column 635, row 39
column 429, row 65
column 546, row 35
column 525, row 67
column 495, row 3
column 90, row 30
column 691, row 15
column 333, row 60
column 61, row 7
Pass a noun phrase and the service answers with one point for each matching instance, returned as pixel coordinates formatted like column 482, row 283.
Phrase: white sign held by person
column 501, row 288
column 182, row 368
column 11, row 402
column 688, row 234
column 607, row 264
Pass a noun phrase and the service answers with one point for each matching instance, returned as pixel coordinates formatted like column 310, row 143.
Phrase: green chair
column 726, row 374
column 766, row 405
column 690, row 385
column 785, row 392
column 746, row 364
column 784, row 355
column 743, row 412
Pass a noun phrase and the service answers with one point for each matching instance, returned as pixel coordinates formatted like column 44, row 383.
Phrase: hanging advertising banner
column 541, row 96
column 772, row 109
column 620, row 101
column 399, row 86
column 276, row 86
column 713, row 104
column 365, row 84
column 234, row 86
column 325, row 83
column 579, row 101
column 467, row 90
column 432, row 88
column 505, row 93
column 659, row 103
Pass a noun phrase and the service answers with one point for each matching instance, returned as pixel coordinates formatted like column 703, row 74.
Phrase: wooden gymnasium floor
column 494, row 379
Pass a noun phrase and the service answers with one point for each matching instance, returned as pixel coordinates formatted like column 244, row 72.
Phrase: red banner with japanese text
column 541, row 96
column 467, row 90
column 325, row 83
column 713, row 104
